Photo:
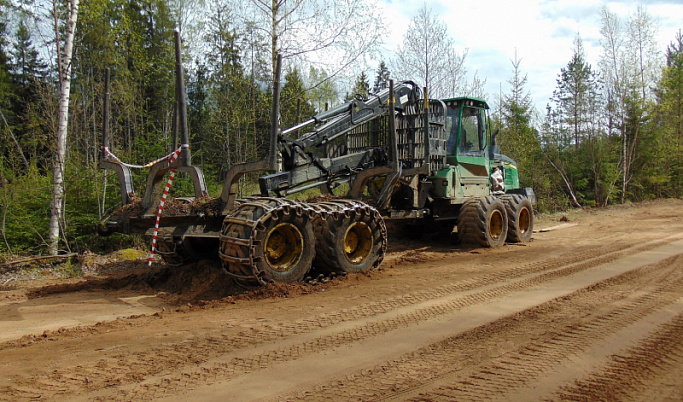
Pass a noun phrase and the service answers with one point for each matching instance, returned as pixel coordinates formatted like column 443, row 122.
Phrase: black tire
column 167, row 249
column 268, row 240
column 520, row 218
column 350, row 241
column 483, row 221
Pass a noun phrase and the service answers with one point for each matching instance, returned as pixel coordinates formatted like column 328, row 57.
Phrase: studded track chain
column 241, row 228
column 331, row 220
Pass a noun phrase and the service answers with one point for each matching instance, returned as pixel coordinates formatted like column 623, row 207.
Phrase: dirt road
column 590, row 310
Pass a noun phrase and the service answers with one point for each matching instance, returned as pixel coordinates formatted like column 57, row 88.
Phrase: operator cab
column 468, row 168
column 466, row 125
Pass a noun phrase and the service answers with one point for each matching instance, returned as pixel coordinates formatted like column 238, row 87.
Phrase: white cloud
column 542, row 32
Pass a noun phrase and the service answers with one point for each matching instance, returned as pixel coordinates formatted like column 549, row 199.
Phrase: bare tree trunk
column 16, row 143
column 564, row 177
column 64, row 67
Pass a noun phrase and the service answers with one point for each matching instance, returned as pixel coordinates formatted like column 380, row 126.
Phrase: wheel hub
column 496, row 225
column 283, row 247
column 358, row 242
column 524, row 221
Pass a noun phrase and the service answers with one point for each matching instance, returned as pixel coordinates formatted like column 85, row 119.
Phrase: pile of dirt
column 323, row 198
column 205, row 206
column 133, row 281
column 204, row 280
column 414, row 256
column 127, row 211
column 175, row 208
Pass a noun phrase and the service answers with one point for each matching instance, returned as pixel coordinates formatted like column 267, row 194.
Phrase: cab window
column 472, row 131
column 452, row 123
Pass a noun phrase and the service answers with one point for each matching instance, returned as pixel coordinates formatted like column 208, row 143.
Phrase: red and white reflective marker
column 174, row 155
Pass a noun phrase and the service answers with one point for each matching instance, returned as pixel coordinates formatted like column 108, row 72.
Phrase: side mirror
column 493, row 138
column 494, row 149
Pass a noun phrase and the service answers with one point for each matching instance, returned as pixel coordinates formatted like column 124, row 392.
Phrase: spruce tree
column 574, row 142
column 360, row 88
column 6, row 91
column 28, row 74
column 382, row 78
column 517, row 137
column 295, row 105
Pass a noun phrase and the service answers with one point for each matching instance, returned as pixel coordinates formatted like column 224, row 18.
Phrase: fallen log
column 39, row 258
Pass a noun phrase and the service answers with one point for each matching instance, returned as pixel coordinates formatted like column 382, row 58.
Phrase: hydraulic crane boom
column 306, row 165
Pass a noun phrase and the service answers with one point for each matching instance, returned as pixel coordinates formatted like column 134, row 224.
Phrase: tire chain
column 329, row 216
column 237, row 245
column 240, row 227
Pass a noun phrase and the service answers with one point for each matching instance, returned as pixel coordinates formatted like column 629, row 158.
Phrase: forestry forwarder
column 401, row 157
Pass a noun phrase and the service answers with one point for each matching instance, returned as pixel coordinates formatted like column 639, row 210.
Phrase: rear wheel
column 268, row 240
column 520, row 218
column 483, row 221
column 350, row 237
column 167, row 248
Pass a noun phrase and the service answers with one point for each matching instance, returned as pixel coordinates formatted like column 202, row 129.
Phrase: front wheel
column 483, row 221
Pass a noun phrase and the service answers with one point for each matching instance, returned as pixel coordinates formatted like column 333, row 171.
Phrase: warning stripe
column 172, row 159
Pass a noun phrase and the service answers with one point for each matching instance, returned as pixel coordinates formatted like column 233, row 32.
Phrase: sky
column 540, row 31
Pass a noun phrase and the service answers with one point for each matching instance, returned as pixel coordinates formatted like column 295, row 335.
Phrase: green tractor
column 478, row 185
column 393, row 156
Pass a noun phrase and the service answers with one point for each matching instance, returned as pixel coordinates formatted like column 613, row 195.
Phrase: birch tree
column 323, row 90
column 428, row 56
column 64, row 56
column 332, row 34
column 629, row 64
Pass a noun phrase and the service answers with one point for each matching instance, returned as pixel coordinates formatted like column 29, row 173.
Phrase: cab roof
column 476, row 102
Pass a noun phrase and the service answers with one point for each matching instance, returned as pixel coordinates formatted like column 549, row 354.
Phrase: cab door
column 472, row 165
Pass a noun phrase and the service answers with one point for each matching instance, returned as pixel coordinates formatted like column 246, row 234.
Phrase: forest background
column 611, row 133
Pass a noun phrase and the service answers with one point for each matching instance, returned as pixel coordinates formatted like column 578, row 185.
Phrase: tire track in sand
column 637, row 372
column 475, row 367
column 250, row 363
column 194, row 363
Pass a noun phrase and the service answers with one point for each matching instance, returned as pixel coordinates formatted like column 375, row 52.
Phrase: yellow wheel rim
column 524, row 221
column 283, row 247
column 357, row 242
column 496, row 225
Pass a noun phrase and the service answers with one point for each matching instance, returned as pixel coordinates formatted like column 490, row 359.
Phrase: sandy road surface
column 592, row 310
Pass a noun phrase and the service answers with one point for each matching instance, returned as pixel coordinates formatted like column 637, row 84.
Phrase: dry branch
column 39, row 258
